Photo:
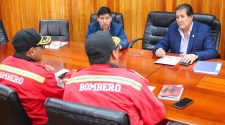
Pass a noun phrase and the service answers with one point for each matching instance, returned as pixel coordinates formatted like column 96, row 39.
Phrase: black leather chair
column 117, row 17
column 11, row 110
column 158, row 22
column 62, row 112
column 156, row 27
column 212, row 22
column 57, row 29
column 3, row 36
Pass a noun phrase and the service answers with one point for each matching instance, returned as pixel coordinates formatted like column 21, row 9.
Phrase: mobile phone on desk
column 183, row 103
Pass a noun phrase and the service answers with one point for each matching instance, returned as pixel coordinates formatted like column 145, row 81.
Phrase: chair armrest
column 175, row 123
column 218, row 55
column 134, row 41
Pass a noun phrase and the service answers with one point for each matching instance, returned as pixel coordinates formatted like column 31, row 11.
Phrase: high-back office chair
column 212, row 22
column 117, row 17
column 11, row 110
column 156, row 27
column 3, row 36
column 158, row 22
column 57, row 29
column 62, row 112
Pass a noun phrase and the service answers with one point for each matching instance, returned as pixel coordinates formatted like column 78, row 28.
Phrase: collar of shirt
column 110, row 65
column 22, row 56
column 108, row 28
column 111, row 29
column 189, row 32
column 100, row 66
column 184, row 41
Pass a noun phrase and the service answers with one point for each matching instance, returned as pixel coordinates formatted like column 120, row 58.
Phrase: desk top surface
column 207, row 91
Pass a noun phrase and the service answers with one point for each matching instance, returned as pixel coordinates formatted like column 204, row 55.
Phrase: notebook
column 207, row 67
column 171, row 92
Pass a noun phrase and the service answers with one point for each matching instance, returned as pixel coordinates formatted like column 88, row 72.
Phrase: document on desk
column 168, row 60
column 171, row 92
column 207, row 67
column 55, row 45
column 61, row 72
column 151, row 88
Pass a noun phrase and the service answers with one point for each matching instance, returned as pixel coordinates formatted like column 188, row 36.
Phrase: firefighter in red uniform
column 31, row 80
column 106, row 85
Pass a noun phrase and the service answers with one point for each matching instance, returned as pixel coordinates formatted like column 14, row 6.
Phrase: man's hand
column 120, row 46
column 160, row 52
column 189, row 58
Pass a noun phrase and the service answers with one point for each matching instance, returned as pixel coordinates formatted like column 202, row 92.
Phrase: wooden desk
column 207, row 91
column 73, row 56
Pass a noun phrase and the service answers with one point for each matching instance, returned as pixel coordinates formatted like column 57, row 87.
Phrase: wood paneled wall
column 18, row 14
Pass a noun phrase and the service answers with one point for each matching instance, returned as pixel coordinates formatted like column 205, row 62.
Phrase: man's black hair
column 103, row 10
column 187, row 7
column 101, row 60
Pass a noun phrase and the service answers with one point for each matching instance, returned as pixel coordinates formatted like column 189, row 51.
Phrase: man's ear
column 97, row 18
column 192, row 17
column 115, row 54
column 31, row 51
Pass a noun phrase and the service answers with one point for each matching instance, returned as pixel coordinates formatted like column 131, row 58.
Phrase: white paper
column 60, row 72
column 151, row 88
column 55, row 45
column 169, row 60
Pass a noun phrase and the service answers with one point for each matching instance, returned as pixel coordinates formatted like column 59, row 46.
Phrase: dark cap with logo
column 27, row 38
column 100, row 44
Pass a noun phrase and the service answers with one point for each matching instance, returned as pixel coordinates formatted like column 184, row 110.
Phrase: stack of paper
column 168, row 60
column 61, row 72
column 55, row 45
column 207, row 67
column 171, row 92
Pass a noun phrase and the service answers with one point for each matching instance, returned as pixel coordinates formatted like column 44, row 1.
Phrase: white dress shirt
column 184, row 41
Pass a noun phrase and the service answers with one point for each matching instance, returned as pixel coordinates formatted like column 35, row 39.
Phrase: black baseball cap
column 27, row 38
column 100, row 44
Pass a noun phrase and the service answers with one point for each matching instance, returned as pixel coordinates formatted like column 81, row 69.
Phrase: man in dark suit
column 187, row 37
column 104, row 22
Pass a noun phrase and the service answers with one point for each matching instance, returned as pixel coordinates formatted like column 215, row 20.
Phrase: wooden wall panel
column 18, row 14
column 222, row 21
column 0, row 12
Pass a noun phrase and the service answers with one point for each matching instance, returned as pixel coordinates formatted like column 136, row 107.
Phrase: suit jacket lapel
column 177, row 42
column 192, row 37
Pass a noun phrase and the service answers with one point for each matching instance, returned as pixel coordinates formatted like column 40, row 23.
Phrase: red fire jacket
column 33, row 83
column 117, row 89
